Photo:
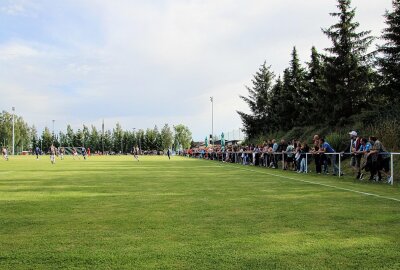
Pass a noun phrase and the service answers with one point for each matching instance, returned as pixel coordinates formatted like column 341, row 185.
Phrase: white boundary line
column 315, row 183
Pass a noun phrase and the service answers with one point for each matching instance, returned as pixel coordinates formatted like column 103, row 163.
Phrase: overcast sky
column 147, row 62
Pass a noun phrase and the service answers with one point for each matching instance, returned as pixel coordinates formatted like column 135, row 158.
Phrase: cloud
column 152, row 62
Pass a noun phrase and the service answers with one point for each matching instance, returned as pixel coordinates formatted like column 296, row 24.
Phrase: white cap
column 353, row 133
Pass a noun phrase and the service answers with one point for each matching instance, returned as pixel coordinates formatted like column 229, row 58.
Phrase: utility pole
column 53, row 131
column 212, row 120
column 102, row 136
column 13, row 130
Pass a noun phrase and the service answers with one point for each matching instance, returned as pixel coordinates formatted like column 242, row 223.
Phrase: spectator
column 380, row 160
column 325, row 148
column 304, row 149
column 289, row 152
column 355, row 157
column 363, row 150
column 317, row 155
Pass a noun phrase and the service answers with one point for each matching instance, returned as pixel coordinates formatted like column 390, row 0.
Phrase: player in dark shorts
column 169, row 154
column 37, row 152
column 84, row 153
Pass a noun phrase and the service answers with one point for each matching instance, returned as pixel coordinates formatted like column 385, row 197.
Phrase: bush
column 388, row 132
column 338, row 141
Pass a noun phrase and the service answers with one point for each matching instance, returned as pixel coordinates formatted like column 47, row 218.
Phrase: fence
column 279, row 160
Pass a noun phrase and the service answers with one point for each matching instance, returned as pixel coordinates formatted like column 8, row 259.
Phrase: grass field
column 115, row 213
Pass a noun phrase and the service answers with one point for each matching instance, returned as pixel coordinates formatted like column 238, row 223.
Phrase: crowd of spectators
column 366, row 155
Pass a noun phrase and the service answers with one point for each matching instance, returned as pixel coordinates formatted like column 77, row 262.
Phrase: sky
column 149, row 62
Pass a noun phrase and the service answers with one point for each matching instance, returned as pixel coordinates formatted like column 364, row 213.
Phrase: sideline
column 311, row 182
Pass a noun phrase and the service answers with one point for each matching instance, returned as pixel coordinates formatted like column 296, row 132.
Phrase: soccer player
column 5, row 155
column 75, row 153
column 37, row 152
column 62, row 152
column 169, row 154
column 53, row 152
column 84, row 153
column 135, row 151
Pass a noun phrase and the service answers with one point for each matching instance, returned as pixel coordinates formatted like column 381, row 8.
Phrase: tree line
column 347, row 83
column 114, row 140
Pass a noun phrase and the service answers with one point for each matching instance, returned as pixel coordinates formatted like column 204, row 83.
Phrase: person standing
column 135, row 151
column 37, row 152
column 5, row 154
column 355, row 161
column 317, row 156
column 325, row 148
column 62, row 152
column 84, row 153
column 52, row 154
column 169, row 154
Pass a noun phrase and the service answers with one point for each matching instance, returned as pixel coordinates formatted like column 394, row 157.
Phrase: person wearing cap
column 355, row 161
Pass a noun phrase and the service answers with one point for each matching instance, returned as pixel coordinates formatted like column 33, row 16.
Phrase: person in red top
column 88, row 152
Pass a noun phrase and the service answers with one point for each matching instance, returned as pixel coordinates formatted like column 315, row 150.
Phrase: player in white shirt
column 53, row 152
column 5, row 154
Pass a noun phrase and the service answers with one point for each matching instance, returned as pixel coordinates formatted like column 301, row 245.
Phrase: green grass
column 115, row 213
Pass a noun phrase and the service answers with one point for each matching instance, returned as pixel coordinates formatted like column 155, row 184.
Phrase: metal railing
column 276, row 158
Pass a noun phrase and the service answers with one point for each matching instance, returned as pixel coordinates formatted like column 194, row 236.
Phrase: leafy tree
column 167, row 137
column 348, row 72
column 183, row 136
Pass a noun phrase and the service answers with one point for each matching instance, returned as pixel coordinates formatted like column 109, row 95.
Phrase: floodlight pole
column 212, row 120
column 53, row 129
column 13, row 130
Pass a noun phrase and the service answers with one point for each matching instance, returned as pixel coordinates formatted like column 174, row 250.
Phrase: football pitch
column 117, row 213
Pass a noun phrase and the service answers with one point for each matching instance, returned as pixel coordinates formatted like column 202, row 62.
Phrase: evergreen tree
column 389, row 59
column 258, row 101
column 117, row 136
column 47, row 139
column 300, row 91
column 85, row 136
column 34, row 137
column 275, row 109
column 77, row 140
column 317, row 91
column 348, row 73
column 70, row 136
column 94, row 140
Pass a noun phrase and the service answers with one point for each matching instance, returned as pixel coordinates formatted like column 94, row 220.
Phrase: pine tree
column 389, row 59
column 258, row 101
column 348, row 74
column 295, row 86
column 275, row 108
column 317, row 89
